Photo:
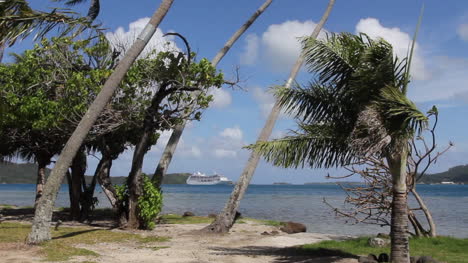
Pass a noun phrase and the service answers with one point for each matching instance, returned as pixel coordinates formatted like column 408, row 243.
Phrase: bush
column 149, row 203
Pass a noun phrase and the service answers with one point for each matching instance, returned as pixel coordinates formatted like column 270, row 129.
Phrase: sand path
column 244, row 244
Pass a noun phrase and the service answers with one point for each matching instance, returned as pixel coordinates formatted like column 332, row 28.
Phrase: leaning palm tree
column 225, row 220
column 356, row 106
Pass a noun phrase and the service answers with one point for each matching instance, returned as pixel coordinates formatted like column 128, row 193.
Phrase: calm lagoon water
column 300, row 203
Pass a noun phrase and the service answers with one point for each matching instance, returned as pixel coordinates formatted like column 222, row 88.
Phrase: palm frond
column 401, row 114
column 315, row 103
column 329, row 59
column 411, row 51
column 18, row 20
column 314, row 146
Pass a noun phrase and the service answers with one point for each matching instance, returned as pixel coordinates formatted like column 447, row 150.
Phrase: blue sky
column 265, row 55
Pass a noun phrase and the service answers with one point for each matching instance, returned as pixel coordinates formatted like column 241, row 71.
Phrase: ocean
column 299, row 203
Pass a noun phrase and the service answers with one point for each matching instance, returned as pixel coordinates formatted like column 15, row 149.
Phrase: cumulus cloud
column 122, row 39
column 250, row 54
column 400, row 41
column 223, row 153
column 280, row 44
column 264, row 99
column 228, row 143
column 185, row 149
column 221, row 98
column 462, row 32
column 232, row 133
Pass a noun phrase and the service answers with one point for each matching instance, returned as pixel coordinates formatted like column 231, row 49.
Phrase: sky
column 264, row 57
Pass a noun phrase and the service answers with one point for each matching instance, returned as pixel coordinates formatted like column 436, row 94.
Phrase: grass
column 266, row 222
column 446, row 249
column 63, row 244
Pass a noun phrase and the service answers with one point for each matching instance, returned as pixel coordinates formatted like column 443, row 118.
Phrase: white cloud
column 400, row 41
column 250, row 54
column 280, row 44
column 221, row 98
column 264, row 99
column 462, row 32
column 232, row 133
column 223, row 153
column 122, row 39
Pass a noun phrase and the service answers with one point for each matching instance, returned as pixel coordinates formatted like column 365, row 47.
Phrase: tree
column 226, row 218
column 171, row 145
column 40, row 228
column 42, row 93
column 175, row 77
column 371, row 202
column 356, row 107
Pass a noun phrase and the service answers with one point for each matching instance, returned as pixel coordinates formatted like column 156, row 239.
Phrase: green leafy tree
column 356, row 106
column 174, row 78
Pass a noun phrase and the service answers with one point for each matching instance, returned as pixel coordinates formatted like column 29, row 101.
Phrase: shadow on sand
column 287, row 255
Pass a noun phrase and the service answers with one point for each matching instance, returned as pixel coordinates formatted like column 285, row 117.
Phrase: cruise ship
column 199, row 178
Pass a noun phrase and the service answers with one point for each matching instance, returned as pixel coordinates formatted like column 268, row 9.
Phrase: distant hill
column 25, row 173
column 457, row 174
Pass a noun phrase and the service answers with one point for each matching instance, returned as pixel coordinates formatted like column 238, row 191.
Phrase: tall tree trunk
column 42, row 162
column 134, row 180
column 40, row 228
column 399, row 221
column 225, row 219
column 171, row 145
column 2, row 51
column 87, row 200
column 430, row 220
column 78, row 169
column 103, row 177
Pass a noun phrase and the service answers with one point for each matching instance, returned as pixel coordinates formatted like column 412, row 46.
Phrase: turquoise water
column 300, row 203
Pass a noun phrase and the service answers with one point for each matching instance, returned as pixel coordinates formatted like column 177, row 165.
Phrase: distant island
column 456, row 175
column 282, row 183
column 25, row 173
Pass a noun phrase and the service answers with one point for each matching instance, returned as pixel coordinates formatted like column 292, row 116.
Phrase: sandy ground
column 244, row 244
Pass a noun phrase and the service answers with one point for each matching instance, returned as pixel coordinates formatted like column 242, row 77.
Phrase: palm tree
column 356, row 106
column 225, row 220
column 43, row 214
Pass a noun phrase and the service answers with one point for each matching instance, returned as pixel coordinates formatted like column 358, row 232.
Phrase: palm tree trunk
column 399, row 221
column 2, row 51
column 171, row 145
column 225, row 219
column 40, row 228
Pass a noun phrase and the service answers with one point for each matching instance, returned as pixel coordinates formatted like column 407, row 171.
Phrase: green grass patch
column 178, row 219
column 63, row 244
column 266, row 222
column 446, row 249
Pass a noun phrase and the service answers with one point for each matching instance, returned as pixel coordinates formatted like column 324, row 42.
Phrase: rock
column 414, row 259
column 274, row 232
column 212, row 215
column 383, row 235
column 293, row 227
column 371, row 258
column 265, row 233
column 378, row 242
column 426, row 259
column 383, row 257
column 188, row 213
